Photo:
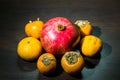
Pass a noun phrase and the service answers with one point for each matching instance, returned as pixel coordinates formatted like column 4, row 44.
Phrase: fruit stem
column 60, row 27
column 30, row 21
column 38, row 19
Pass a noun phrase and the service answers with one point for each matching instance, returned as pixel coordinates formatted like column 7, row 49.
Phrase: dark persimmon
column 46, row 63
column 72, row 62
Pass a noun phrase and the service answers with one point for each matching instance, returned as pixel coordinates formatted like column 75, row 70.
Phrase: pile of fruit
column 59, row 38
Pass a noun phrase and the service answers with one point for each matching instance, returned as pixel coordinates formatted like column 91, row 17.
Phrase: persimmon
column 84, row 26
column 34, row 28
column 90, row 45
column 72, row 62
column 29, row 48
column 46, row 63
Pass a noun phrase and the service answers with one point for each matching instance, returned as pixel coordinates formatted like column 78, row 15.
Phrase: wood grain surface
column 104, row 16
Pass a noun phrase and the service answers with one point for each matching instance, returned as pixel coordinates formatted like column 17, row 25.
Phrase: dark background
column 104, row 16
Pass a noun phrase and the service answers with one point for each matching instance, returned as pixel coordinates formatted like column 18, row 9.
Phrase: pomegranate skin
column 59, row 35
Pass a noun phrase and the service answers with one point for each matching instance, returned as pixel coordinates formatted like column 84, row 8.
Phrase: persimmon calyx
column 72, row 57
column 47, row 60
column 81, row 23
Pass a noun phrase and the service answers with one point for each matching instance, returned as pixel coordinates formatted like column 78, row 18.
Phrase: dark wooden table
column 104, row 15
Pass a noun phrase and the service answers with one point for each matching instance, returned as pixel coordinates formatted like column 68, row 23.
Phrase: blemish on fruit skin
column 90, row 38
column 28, row 42
column 95, row 41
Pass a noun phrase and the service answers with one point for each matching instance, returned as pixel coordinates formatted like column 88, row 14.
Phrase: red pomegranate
column 59, row 35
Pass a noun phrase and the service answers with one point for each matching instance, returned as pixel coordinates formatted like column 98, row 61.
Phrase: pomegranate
column 59, row 35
